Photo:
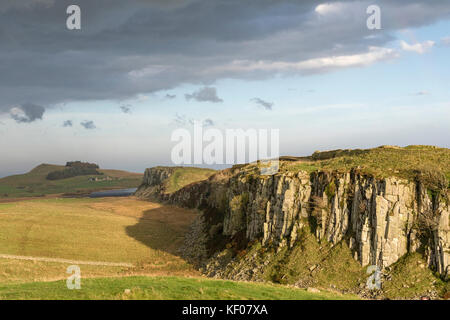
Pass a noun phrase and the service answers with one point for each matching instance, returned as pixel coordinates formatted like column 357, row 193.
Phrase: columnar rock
column 379, row 218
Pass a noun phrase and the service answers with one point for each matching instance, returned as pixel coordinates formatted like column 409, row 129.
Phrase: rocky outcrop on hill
column 153, row 184
column 380, row 219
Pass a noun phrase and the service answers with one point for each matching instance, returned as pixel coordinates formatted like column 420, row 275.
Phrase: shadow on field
column 162, row 228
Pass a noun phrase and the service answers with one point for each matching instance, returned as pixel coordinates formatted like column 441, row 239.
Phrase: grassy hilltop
column 182, row 176
column 381, row 162
column 35, row 182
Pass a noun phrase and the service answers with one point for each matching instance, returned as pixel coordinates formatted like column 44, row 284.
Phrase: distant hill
column 74, row 169
column 35, row 184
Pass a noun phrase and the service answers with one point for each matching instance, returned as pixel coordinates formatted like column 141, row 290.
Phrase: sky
column 114, row 91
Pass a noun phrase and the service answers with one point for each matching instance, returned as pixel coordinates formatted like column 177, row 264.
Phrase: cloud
column 422, row 93
column 126, row 108
column 206, row 94
column 445, row 41
column 329, row 8
column 208, row 122
column 419, row 48
column 27, row 113
column 24, row 4
column 266, row 105
column 182, row 120
column 170, row 96
column 68, row 123
column 89, row 125
column 142, row 47
column 323, row 64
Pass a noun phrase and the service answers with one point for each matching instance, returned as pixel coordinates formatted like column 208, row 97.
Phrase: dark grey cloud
column 68, row 123
column 171, row 96
column 126, row 108
column 130, row 47
column 206, row 94
column 27, row 113
column 23, row 4
column 88, row 124
column 266, row 105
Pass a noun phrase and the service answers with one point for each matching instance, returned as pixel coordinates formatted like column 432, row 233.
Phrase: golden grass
column 19, row 271
column 111, row 230
column 183, row 176
column 380, row 162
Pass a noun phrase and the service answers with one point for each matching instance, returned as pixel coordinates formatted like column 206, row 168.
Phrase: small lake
column 113, row 193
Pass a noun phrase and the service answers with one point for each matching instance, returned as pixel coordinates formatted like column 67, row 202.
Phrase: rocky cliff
column 380, row 220
column 160, row 182
column 154, row 183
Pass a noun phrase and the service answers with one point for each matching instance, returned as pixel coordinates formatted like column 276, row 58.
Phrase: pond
column 113, row 193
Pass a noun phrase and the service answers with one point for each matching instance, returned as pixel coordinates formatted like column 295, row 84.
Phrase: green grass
column 160, row 288
column 310, row 263
column 380, row 162
column 34, row 183
column 316, row 264
column 183, row 176
column 412, row 278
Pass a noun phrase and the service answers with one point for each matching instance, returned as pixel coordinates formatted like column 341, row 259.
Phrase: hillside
column 323, row 220
column 119, row 244
column 114, row 230
column 160, row 182
column 35, row 184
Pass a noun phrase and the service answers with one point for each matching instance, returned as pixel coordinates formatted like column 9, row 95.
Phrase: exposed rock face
column 380, row 219
column 152, row 186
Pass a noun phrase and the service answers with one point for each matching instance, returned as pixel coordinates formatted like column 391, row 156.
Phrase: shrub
column 318, row 204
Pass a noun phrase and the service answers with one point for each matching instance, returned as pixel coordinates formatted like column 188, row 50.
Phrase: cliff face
column 153, row 184
column 379, row 219
column 160, row 182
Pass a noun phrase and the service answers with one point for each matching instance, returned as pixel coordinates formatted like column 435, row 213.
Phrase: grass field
column 161, row 288
column 35, row 184
column 110, row 230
